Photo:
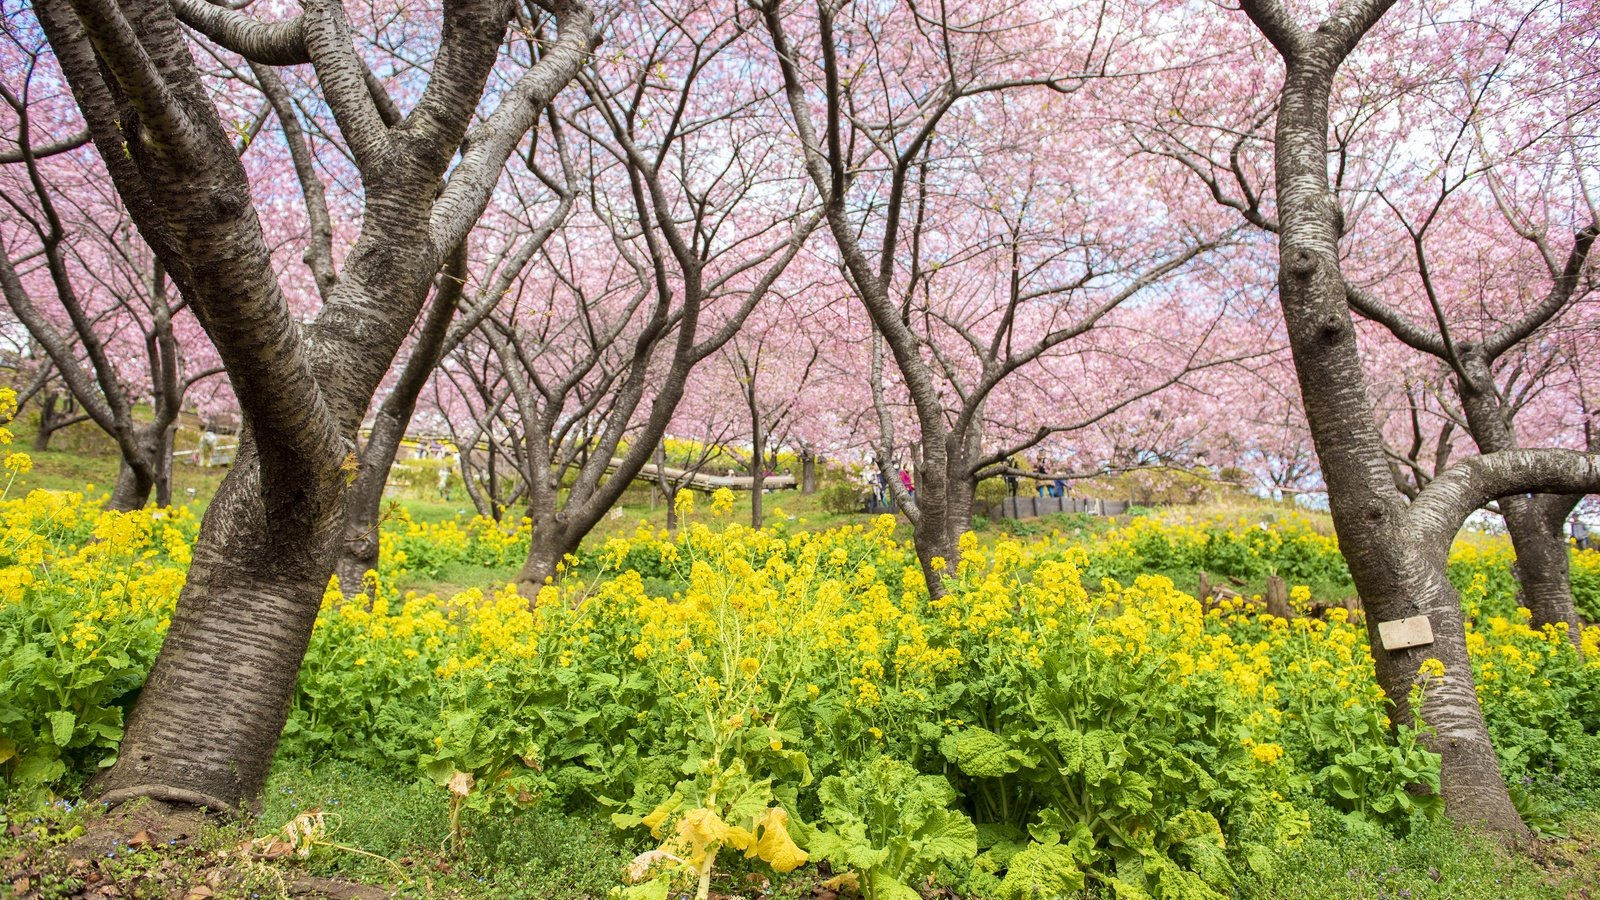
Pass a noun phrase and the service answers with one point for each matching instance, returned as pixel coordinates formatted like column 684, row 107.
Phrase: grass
column 389, row 831
column 547, row 855
column 1339, row 861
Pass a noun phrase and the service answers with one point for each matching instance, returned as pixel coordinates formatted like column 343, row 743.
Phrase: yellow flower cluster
column 729, row 623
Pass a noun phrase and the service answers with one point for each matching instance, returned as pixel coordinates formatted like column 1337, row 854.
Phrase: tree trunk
column 931, row 532
column 1383, row 547
column 363, row 502
column 169, row 435
column 146, row 455
column 210, row 714
column 50, row 419
column 132, row 491
column 544, row 554
column 808, row 472
column 1541, row 545
column 758, row 471
column 496, row 510
column 469, row 480
column 963, row 498
column 554, row 536
column 1536, row 524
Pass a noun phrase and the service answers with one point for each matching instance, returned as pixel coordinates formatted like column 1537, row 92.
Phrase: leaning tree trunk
column 262, row 574
column 1394, row 575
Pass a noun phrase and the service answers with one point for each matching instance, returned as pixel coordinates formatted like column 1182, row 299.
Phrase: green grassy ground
column 377, row 831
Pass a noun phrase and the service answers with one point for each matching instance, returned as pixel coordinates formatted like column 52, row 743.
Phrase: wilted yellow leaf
column 775, row 845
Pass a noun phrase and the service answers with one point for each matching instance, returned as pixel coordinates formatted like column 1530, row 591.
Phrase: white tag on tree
column 1416, row 631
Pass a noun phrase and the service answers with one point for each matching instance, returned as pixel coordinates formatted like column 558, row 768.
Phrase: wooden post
column 1278, row 598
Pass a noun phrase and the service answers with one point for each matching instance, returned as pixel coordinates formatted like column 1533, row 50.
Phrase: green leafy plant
column 891, row 827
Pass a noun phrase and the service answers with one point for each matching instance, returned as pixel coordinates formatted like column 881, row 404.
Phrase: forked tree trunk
column 145, row 466
column 1393, row 573
column 808, row 472
column 52, row 419
column 208, row 718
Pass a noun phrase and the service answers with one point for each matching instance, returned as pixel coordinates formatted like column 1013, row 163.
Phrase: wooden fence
column 1031, row 507
column 1027, row 507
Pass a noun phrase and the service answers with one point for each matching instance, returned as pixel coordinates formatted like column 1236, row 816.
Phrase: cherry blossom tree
column 1456, row 163
column 1396, row 551
column 209, row 717
column 693, row 215
column 937, row 139
column 92, row 297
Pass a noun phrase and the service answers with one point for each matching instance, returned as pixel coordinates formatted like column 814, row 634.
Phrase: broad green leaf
column 61, row 726
column 981, row 753
column 947, row 836
column 1042, row 872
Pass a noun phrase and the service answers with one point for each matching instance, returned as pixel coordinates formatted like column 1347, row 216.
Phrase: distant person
column 444, row 484
column 1580, row 532
column 1040, row 486
column 1011, row 476
column 905, row 479
column 1060, row 486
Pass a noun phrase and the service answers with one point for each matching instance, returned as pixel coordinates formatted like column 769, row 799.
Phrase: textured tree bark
column 207, row 721
column 1393, row 573
column 212, row 710
column 1543, row 566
